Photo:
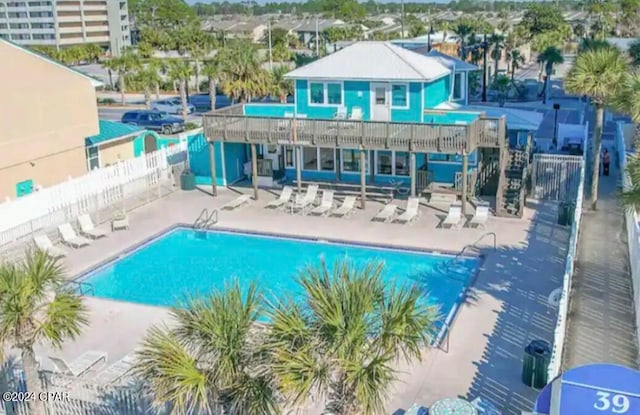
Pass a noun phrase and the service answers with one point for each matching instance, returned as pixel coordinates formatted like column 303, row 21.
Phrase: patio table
column 452, row 406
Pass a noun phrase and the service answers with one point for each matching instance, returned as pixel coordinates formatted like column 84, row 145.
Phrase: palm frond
column 369, row 381
column 597, row 73
column 65, row 316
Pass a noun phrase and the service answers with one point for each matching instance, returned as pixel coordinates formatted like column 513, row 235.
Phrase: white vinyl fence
column 633, row 229
column 120, row 187
column 555, row 365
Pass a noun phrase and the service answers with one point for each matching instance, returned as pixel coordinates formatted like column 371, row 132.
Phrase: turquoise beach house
column 371, row 104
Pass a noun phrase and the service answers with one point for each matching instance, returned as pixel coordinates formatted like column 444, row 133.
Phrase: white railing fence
column 123, row 186
column 555, row 364
column 633, row 228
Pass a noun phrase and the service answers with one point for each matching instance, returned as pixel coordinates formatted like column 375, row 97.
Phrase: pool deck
column 505, row 309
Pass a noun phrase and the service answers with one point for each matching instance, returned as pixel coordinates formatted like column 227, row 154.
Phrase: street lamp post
column 556, row 107
column 429, row 34
column 485, row 46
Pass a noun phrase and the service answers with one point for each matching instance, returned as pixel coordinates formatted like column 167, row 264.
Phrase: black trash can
column 571, row 212
column 536, row 363
column 187, row 180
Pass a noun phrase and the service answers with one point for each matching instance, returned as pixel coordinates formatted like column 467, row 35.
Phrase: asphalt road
column 115, row 114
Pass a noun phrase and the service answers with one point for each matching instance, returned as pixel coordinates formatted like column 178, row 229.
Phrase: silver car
column 171, row 106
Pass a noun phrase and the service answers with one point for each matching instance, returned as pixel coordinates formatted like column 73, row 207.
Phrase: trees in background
column 125, row 66
column 543, row 25
column 73, row 55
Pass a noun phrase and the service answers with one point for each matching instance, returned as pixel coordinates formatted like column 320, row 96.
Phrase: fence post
column 124, row 208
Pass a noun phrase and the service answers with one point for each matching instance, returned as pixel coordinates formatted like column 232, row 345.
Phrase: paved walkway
column 601, row 316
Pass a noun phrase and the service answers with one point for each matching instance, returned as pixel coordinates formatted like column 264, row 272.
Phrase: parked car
column 154, row 120
column 202, row 102
column 171, row 105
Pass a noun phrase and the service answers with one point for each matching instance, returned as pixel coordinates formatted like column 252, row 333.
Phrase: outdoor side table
column 452, row 406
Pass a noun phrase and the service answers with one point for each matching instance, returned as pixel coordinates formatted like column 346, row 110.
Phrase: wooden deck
column 231, row 125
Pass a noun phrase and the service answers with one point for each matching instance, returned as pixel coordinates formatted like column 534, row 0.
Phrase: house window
column 93, row 158
column 309, row 158
column 457, row 85
column 402, row 164
column 318, row 159
column 288, row 157
column 317, row 93
column 392, row 163
column 351, row 160
column 399, row 96
column 385, row 162
column 325, row 93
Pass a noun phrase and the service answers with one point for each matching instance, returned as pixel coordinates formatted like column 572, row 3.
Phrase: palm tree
column 37, row 307
column 242, row 76
column 502, row 84
column 160, row 67
column 124, row 66
column 210, row 361
column 146, row 78
column 464, row 30
column 282, row 87
column 597, row 73
column 516, row 60
column 497, row 44
column 549, row 57
column 627, row 100
column 588, row 44
column 340, row 341
column 180, row 71
column 212, row 71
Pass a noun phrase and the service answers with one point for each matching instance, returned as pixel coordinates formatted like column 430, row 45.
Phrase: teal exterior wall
column 198, row 150
column 268, row 110
column 437, row 92
column 414, row 112
column 161, row 142
column 234, row 159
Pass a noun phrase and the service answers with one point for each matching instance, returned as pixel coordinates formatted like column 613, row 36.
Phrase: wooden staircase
column 510, row 198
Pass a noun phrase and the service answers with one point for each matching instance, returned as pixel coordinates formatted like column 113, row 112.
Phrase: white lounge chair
column 300, row 204
column 115, row 371
column 80, row 365
column 454, row 218
column 346, row 208
column 356, row 114
column 386, row 214
column 70, row 238
column 237, row 202
column 44, row 244
column 282, row 200
column 325, row 205
column 481, row 217
column 87, row 227
column 341, row 113
column 409, row 215
column 119, row 221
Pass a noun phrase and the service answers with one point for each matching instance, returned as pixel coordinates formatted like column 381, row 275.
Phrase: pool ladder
column 82, row 287
column 474, row 245
column 206, row 220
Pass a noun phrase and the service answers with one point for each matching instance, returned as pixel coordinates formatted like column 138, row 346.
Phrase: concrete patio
column 505, row 309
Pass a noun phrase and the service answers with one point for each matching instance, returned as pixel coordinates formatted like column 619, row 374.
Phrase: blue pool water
column 183, row 262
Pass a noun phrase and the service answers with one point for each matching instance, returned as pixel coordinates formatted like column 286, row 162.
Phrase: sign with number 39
column 592, row 390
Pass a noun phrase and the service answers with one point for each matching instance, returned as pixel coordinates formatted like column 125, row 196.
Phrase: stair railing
column 474, row 245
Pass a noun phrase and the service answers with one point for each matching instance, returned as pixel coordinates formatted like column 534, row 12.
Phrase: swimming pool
column 185, row 261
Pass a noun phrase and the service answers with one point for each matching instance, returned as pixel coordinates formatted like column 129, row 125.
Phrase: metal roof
column 373, row 61
column 111, row 130
column 451, row 61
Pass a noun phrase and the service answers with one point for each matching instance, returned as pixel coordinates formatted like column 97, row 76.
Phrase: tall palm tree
column 516, row 60
column 210, row 361
column 627, row 100
column 180, row 71
column 160, row 67
column 124, row 65
column 497, row 45
column 242, row 75
column 282, row 87
column 36, row 307
column 340, row 342
column 597, row 73
column 212, row 71
column 146, row 78
column 464, row 30
column 549, row 57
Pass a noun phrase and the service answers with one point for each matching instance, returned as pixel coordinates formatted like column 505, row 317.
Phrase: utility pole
column 317, row 39
column 270, row 51
column 402, row 19
column 485, row 46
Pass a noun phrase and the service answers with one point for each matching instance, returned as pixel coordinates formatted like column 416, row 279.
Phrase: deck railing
column 231, row 125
